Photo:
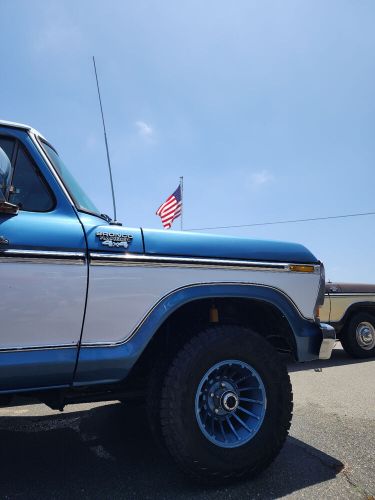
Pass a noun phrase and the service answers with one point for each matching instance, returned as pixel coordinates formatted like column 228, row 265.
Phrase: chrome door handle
column 3, row 241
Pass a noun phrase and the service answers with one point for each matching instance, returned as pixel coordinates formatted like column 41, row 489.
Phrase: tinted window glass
column 6, row 151
column 30, row 192
column 7, row 145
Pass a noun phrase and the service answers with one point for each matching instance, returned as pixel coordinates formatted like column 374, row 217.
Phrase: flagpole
column 182, row 200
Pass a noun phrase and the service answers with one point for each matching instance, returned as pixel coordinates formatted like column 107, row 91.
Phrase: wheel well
column 189, row 319
column 352, row 311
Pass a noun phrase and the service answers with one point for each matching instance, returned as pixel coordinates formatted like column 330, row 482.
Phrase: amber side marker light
column 303, row 268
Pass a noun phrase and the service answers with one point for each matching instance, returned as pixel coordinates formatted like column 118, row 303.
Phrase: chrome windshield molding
column 37, row 348
column 34, row 135
column 112, row 259
column 144, row 319
column 42, row 257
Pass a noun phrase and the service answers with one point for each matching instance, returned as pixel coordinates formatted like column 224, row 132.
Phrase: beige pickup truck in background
column 350, row 309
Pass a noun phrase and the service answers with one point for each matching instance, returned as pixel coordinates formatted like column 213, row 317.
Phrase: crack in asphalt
column 345, row 473
column 342, row 469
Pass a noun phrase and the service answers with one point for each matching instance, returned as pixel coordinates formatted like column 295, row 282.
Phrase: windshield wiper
column 106, row 218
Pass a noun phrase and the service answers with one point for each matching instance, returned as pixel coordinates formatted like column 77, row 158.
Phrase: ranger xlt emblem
column 114, row 239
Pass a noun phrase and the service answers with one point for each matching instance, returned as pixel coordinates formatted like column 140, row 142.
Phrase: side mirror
column 6, row 207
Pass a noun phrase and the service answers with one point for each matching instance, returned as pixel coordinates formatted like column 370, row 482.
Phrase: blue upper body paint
column 225, row 247
column 187, row 244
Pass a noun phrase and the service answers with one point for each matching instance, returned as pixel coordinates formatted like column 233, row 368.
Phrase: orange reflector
column 214, row 314
column 302, row 268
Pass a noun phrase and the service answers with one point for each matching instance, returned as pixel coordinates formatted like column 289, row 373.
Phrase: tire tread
column 169, row 404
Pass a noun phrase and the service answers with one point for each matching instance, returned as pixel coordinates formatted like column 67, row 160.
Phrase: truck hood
column 186, row 244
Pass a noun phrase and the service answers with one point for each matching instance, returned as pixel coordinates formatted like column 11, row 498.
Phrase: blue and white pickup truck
column 190, row 326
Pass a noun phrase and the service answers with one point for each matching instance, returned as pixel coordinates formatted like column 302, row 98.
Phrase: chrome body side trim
column 38, row 348
column 356, row 294
column 42, row 256
column 112, row 259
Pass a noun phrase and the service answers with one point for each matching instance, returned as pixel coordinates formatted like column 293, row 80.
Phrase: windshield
column 80, row 198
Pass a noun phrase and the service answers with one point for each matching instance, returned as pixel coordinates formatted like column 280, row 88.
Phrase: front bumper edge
column 328, row 342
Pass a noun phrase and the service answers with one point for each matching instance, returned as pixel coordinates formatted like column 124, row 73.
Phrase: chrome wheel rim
column 230, row 403
column 365, row 335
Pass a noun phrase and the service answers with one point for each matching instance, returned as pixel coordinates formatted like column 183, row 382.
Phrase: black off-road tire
column 198, row 457
column 349, row 337
column 153, row 399
column 156, row 379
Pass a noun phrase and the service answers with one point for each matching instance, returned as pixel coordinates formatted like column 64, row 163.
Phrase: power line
column 284, row 221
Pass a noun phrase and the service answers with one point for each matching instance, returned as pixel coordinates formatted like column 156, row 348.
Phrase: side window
column 6, row 152
column 29, row 190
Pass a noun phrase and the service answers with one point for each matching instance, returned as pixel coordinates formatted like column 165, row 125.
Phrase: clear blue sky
column 266, row 108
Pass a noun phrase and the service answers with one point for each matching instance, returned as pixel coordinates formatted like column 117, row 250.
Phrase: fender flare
column 353, row 309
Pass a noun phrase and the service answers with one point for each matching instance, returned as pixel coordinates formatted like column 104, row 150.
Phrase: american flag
column 170, row 209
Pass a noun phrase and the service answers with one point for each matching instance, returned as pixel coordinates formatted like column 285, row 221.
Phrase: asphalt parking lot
column 106, row 451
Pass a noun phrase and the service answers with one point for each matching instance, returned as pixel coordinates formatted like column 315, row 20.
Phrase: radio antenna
column 106, row 146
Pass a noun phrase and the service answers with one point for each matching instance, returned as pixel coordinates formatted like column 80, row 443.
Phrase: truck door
column 43, row 272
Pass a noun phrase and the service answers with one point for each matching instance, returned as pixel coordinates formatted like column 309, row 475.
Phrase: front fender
column 105, row 363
